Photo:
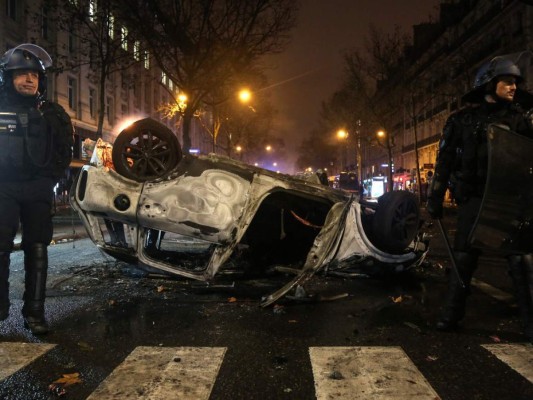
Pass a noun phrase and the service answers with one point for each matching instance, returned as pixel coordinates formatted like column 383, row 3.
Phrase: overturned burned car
column 200, row 216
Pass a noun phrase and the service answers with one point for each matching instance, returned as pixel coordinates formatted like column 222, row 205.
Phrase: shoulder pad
column 450, row 132
column 54, row 111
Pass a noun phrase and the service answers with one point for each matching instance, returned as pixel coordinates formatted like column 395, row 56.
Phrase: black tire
column 146, row 150
column 396, row 221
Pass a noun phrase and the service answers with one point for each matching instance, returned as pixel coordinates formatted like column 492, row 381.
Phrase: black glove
column 434, row 207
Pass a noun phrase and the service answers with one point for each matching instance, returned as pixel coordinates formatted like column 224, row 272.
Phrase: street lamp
column 343, row 136
column 245, row 95
column 238, row 150
column 388, row 145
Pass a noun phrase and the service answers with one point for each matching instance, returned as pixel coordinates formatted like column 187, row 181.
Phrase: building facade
column 444, row 58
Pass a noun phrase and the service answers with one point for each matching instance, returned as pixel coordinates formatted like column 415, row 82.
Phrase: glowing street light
column 182, row 98
column 245, row 95
column 388, row 144
column 268, row 147
column 238, row 149
column 342, row 134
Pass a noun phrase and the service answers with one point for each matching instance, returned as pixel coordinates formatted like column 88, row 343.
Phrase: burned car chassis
column 204, row 212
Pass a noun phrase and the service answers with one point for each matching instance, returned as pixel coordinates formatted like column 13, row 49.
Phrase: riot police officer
column 462, row 165
column 36, row 138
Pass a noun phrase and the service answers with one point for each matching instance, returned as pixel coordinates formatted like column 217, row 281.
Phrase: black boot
column 455, row 303
column 521, row 271
column 4, row 285
column 36, row 268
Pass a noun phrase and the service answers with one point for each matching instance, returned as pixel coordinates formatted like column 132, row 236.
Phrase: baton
column 450, row 253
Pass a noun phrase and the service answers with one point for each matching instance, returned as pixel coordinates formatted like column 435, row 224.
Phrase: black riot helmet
column 26, row 56
column 488, row 73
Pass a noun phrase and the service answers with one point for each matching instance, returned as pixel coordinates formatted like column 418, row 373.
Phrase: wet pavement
column 101, row 311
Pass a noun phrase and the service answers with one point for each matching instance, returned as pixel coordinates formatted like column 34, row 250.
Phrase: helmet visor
column 35, row 50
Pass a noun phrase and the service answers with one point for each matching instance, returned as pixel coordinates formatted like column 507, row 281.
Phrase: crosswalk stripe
column 519, row 356
column 498, row 294
column 367, row 373
column 163, row 373
column 15, row 356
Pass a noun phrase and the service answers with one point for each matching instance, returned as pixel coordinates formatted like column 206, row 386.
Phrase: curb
column 57, row 239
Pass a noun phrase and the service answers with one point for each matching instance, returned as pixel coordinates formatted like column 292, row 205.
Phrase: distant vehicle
column 201, row 216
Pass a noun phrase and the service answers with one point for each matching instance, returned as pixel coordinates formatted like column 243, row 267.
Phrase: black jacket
column 34, row 141
column 462, row 161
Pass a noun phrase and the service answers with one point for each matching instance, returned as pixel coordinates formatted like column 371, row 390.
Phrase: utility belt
column 24, row 142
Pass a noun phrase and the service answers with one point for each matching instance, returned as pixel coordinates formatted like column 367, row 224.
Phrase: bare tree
column 372, row 86
column 202, row 45
column 386, row 91
column 317, row 150
column 100, row 42
column 248, row 126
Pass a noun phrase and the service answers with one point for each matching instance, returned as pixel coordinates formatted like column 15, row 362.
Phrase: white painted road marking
column 15, row 356
column 516, row 355
column 153, row 373
column 163, row 373
column 498, row 294
column 367, row 373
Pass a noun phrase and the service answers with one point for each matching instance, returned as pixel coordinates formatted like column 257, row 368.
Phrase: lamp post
column 244, row 96
column 342, row 134
column 383, row 136
column 238, row 150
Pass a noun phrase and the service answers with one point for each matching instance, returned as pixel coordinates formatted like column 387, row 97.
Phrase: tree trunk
column 187, row 120
column 390, row 183
column 417, row 160
column 102, row 95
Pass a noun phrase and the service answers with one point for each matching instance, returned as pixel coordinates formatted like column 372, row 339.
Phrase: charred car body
column 193, row 215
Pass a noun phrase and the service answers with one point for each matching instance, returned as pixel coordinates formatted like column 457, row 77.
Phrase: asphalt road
column 104, row 314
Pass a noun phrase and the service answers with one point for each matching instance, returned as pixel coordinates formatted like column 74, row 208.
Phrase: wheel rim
column 147, row 155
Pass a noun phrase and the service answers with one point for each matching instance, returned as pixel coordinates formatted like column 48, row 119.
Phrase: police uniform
column 462, row 166
column 35, row 148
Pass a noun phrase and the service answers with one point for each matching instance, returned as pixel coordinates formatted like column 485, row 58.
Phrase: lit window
column 92, row 10
column 124, row 37
column 146, row 60
column 137, row 50
column 111, row 26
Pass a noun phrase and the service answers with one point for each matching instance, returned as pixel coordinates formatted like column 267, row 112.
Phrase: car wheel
column 396, row 221
column 146, row 150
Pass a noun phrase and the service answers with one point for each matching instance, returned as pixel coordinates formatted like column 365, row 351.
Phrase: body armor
column 25, row 144
column 462, row 162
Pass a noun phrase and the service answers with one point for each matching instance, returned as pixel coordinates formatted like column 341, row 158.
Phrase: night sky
column 311, row 66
